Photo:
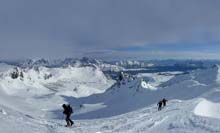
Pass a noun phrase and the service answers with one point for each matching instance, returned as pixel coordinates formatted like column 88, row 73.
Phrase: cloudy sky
column 110, row 29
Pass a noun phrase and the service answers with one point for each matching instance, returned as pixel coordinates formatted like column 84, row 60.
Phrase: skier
column 159, row 105
column 164, row 102
column 68, row 111
column 121, row 76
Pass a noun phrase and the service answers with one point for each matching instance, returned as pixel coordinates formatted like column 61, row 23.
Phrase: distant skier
column 121, row 76
column 164, row 102
column 160, row 103
column 120, row 79
column 68, row 111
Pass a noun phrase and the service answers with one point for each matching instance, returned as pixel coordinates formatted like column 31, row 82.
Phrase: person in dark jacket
column 164, row 102
column 68, row 111
column 160, row 105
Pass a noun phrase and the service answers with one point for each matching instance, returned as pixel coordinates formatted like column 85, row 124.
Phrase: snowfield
column 208, row 109
column 31, row 101
column 74, row 81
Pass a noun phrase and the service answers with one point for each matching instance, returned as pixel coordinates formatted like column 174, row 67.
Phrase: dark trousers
column 159, row 108
column 68, row 120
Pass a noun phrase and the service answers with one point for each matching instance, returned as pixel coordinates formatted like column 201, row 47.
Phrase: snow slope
column 208, row 109
column 177, row 117
column 32, row 102
column 74, row 81
column 134, row 94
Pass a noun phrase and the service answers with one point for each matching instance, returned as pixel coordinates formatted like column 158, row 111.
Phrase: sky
column 110, row 29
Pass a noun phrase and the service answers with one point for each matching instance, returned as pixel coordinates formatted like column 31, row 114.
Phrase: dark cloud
column 59, row 28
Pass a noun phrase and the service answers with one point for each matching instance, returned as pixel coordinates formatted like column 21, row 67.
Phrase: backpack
column 70, row 110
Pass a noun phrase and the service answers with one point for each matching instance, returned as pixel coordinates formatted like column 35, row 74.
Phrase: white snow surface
column 32, row 103
column 208, row 109
column 73, row 81
column 147, row 86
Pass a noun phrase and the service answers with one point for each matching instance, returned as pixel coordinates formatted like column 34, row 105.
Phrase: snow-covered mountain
column 133, row 64
column 111, row 65
column 104, row 66
column 31, row 99
column 140, row 92
column 74, row 81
